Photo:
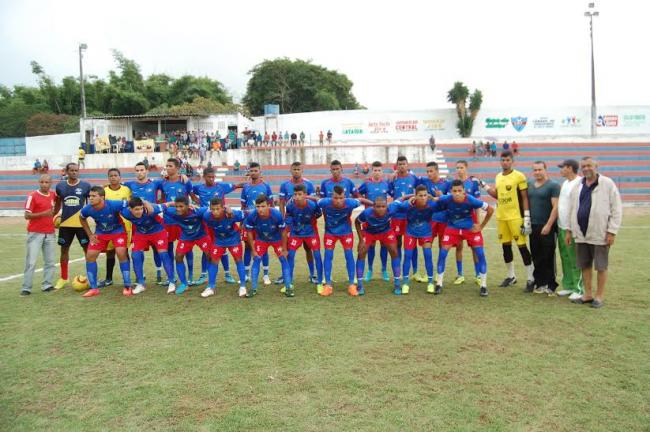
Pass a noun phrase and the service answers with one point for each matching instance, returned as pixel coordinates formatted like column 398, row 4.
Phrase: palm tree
column 458, row 96
column 475, row 102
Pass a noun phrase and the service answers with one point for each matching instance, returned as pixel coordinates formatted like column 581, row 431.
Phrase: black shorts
column 67, row 235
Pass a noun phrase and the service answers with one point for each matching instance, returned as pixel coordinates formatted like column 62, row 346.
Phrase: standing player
column 109, row 228
column 301, row 217
column 472, row 188
column 371, row 189
column 265, row 228
column 327, row 186
column 510, row 190
column 149, row 232
column 286, row 193
column 436, row 187
column 462, row 225
column 223, row 226
column 71, row 197
column 372, row 225
column 249, row 194
column 201, row 194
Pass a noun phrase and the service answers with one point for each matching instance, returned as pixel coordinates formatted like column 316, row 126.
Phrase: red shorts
column 438, row 229
column 244, row 234
column 387, row 238
column 454, row 236
column 398, row 226
column 204, row 243
column 173, row 232
column 219, row 251
column 119, row 240
column 411, row 242
column 261, row 247
column 158, row 241
column 295, row 242
column 347, row 241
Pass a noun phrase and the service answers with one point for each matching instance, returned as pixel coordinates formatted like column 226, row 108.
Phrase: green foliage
column 14, row 115
column 50, row 124
column 199, row 106
column 458, row 96
column 297, row 86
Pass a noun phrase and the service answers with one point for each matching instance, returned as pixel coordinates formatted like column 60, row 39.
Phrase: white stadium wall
column 46, row 145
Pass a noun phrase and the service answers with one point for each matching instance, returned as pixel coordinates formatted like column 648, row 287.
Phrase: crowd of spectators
column 490, row 148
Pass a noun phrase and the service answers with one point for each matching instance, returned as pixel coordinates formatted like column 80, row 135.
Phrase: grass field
column 513, row 361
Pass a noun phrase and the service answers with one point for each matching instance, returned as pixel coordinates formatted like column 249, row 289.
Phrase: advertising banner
column 144, row 146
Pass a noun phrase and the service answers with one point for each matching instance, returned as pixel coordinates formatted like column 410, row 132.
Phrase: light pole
column 82, row 47
column 591, row 14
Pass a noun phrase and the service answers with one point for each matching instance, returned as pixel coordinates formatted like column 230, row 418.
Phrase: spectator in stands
column 266, row 139
column 294, row 139
column 488, row 148
column 320, row 138
column 366, row 169
column 82, row 155
column 274, row 139
column 329, row 137
column 506, row 146
column 493, row 149
column 45, row 168
column 37, row 167
column 258, row 139
column 236, row 166
column 145, row 161
column 302, row 138
column 356, row 169
column 286, row 137
column 515, row 148
column 199, row 171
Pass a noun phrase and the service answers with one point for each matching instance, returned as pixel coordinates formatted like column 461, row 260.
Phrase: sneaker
column 550, row 293
column 229, row 279
column 181, row 289
column 25, row 293
column 162, row 283
column 139, row 289
column 430, row 288
column 201, row 280
column 242, row 291
column 60, row 284
column 127, row 292
column 420, row 278
column 361, row 290
column 105, row 283
column 283, row 290
column 91, row 293
column 385, row 276
column 405, row 289
column 437, row 290
column 279, row 281
column 289, row 292
column 484, row 292
column 319, row 288
column 508, row 281
column 267, row 280
column 597, row 304
column 327, row 291
column 251, row 293
column 171, row 288
column 564, row 293
column 397, row 291
column 368, row 277
column 48, row 289
column 207, row 292
column 314, row 280
column 352, row 290
column 538, row 290
column 478, row 281
column 575, row 296
column 530, row 286
column 460, row 279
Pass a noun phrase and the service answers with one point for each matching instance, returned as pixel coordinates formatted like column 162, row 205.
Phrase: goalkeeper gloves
column 526, row 228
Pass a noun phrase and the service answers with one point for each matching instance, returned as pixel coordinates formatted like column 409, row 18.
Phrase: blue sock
column 286, row 272
column 241, row 271
column 291, row 258
column 360, row 268
column 225, row 262
column 156, row 259
column 310, row 264
column 414, row 259
column 265, row 263
column 318, row 261
column 482, row 262
column 138, row 266
column 349, row 264
column 255, row 272
column 383, row 254
column 371, row 258
column 459, row 268
column 327, row 265
column 442, row 258
column 477, row 268
column 204, row 263
column 247, row 257
column 168, row 264
column 125, row 268
column 180, row 269
column 428, row 263
column 406, row 266
column 395, row 265
column 91, row 274
column 212, row 274
column 190, row 264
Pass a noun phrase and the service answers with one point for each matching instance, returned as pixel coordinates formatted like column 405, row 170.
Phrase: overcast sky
column 399, row 54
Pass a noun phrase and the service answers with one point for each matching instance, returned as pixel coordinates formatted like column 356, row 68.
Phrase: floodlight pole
column 82, row 47
column 591, row 14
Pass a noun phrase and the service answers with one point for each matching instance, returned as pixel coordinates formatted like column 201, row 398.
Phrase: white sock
column 511, row 269
column 439, row 278
column 483, row 277
column 530, row 269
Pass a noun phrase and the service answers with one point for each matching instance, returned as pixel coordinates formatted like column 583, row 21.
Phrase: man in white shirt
column 572, row 285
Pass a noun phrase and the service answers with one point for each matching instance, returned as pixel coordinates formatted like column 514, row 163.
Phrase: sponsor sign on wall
column 496, row 123
column 607, row 121
column 543, row 123
column 633, row 120
column 434, row 124
column 378, row 127
column 352, row 129
column 406, row 126
column 519, row 123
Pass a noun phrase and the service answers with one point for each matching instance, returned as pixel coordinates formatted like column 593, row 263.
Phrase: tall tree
column 458, row 95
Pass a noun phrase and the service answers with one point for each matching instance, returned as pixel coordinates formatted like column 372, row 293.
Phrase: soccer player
column 201, row 194
column 327, row 186
column 371, row 189
column 404, row 184
column 372, row 225
column 149, row 232
column 223, row 225
column 473, row 189
column 301, row 217
column 108, row 228
column 419, row 211
column 249, row 194
column 71, row 196
column 286, row 193
column 462, row 225
column 510, row 190
column 265, row 228
column 115, row 191
column 193, row 234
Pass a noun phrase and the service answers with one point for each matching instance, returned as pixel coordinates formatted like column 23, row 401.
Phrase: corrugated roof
column 151, row 116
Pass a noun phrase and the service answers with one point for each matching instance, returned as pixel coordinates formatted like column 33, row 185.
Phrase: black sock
column 110, row 265
column 525, row 255
column 507, row 253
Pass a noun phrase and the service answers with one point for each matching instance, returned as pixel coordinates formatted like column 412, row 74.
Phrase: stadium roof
column 153, row 116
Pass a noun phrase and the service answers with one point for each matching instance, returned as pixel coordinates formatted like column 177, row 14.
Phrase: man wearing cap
column 594, row 220
column 571, row 275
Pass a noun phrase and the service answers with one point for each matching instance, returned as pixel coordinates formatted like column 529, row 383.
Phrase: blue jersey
column 376, row 224
column 337, row 220
column 459, row 215
column 327, row 187
column 418, row 220
column 251, row 191
column 371, row 189
column 174, row 189
column 267, row 229
column 107, row 219
column 472, row 187
column 432, row 187
column 225, row 231
column 147, row 191
column 301, row 220
column 191, row 223
column 400, row 187
column 286, row 189
column 148, row 223
column 72, row 198
column 206, row 193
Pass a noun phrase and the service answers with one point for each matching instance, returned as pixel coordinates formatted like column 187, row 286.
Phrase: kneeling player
column 377, row 220
column 461, row 226
column 149, row 231
column 222, row 222
column 109, row 228
column 266, row 228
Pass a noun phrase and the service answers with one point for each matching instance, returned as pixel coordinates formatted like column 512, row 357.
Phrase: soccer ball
column 57, row 221
column 80, row 283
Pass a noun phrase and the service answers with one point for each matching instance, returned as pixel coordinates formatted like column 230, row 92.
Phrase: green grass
column 452, row 362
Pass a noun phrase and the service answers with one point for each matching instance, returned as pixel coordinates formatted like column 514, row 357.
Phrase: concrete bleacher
column 627, row 163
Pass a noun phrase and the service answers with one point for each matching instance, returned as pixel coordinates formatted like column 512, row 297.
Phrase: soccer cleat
column 181, row 289
column 60, row 284
column 25, row 293
column 48, row 289
column 91, row 293
column 397, row 291
column 508, row 281
column 283, row 290
column 460, row 279
column 267, row 280
column 171, row 288
column 289, row 292
column 105, row 283
column 242, row 291
column 385, row 276
column 575, row 296
column 420, row 278
column 530, row 286
column 201, row 280
column 405, row 289
column 484, row 292
column 207, row 292
column 139, row 289
column 327, row 291
column 251, row 293
column 361, row 290
column 352, row 290
column 319, row 288
column 430, row 288
column 127, row 292
column 229, row 279
column 279, row 281
column 564, row 293
column 478, row 281
column 538, row 290
column 437, row 290
column 368, row 277
column 314, row 280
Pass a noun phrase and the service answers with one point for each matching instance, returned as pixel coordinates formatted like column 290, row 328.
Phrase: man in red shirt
column 39, row 209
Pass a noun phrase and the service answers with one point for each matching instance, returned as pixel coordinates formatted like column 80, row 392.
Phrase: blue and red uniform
column 378, row 228
column 418, row 223
column 373, row 189
column 286, row 188
column 225, row 234
column 205, row 193
column 108, row 225
column 327, row 187
column 401, row 186
column 439, row 218
column 147, row 191
column 338, row 227
column 192, row 230
column 170, row 191
column 302, row 224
